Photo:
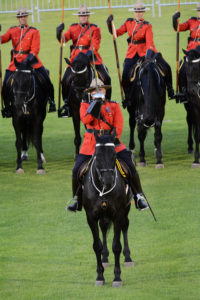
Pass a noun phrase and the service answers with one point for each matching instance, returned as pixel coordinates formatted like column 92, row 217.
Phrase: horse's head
column 105, row 159
column 81, row 74
column 192, row 68
column 23, row 85
column 150, row 93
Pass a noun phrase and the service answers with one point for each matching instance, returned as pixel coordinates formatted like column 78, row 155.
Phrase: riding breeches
column 66, row 83
column 45, row 82
column 6, row 88
column 165, row 67
column 128, row 65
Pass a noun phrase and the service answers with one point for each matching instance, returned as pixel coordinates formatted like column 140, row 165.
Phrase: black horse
column 192, row 91
column 146, row 106
column 81, row 77
column 28, row 104
column 106, row 199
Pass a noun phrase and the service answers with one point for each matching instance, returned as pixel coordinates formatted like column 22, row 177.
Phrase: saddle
column 121, row 165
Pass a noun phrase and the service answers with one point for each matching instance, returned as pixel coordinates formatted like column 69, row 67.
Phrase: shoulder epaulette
column 129, row 19
column 193, row 18
column 93, row 25
column 33, row 28
column 74, row 24
column 147, row 23
column 13, row 27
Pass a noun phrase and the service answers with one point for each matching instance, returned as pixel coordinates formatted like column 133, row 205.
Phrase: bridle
column 104, row 170
column 27, row 98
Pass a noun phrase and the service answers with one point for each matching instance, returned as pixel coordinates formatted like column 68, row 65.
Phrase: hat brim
column 139, row 10
column 90, row 89
column 23, row 15
column 82, row 15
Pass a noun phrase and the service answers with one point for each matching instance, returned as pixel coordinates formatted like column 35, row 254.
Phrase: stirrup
column 6, row 112
column 64, row 112
column 74, row 206
column 52, row 107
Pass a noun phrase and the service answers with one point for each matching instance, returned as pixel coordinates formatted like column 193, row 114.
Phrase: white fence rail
column 38, row 6
column 11, row 6
column 165, row 3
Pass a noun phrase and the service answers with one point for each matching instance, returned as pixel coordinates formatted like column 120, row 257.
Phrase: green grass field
column 45, row 252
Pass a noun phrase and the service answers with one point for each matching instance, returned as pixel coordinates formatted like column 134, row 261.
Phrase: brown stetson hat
column 83, row 11
column 96, row 83
column 22, row 12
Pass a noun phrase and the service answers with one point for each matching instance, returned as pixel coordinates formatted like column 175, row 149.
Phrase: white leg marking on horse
column 129, row 264
column 142, row 164
column 106, row 264
column 117, row 284
column 43, row 158
column 99, row 282
column 24, row 155
column 195, row 165
column 159, row 166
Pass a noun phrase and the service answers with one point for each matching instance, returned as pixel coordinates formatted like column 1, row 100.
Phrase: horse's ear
column 68, row 61
column 185, row 52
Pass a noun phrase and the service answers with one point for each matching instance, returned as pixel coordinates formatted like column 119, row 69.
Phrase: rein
column 102, row 192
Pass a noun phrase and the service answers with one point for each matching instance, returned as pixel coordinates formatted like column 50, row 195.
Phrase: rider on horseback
column 103, row 115
column 193, row 25
column 86, row 38
column 26, row 46
column 140, row 40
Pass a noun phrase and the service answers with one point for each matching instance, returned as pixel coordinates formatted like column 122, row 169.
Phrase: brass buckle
column 81, row 48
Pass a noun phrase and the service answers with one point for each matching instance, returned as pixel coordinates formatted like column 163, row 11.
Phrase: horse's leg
column 157, row 144
column 24, row 154
column 117, row 248
column 189, row 119
column 196, row 153
column 132, row 124
column 76, row 123
column 105, row 253
column 37, row 141
column 98, row 247
column 18, row 145
column 142, row 133
column 127, row 258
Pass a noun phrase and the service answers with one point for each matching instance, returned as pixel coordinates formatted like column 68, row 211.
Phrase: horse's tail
column 28, row 130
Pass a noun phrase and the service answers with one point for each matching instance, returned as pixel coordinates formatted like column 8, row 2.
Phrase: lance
column 116, row 54
column 177, row 49
column 60, row 64
column 2, row 106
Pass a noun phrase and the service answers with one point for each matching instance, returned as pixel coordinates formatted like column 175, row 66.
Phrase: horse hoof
column 117, row 284
column 159, row 166
column 106, row 264
column 40, row 171
column 129, row 264
column 195, row 165
column 100, row 282
column 142, row 164
column 19, row 171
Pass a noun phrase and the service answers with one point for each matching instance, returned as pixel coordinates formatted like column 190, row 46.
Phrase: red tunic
column 144, row 33
column 193, row 24
column 30, row 42
column 112, row 113
column 74, row 32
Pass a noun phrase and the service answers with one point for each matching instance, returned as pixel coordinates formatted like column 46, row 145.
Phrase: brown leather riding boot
column 140, row 201
column 77, row 196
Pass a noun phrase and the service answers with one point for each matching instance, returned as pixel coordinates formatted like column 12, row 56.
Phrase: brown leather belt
column 80, row 47
column 135, row 42
column 21, row 52
column 101, row 131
